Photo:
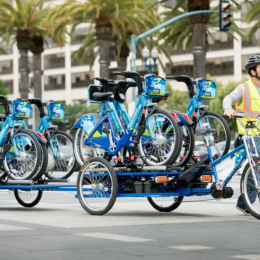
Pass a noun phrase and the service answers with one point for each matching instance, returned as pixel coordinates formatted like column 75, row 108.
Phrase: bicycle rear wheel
column 249, row 191
column 28, row 198
column 165, row 148
column 25, row 166
column 165, row 204
column 63, row 160
column 220, row 140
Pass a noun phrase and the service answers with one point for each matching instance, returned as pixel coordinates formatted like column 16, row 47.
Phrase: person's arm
column 234, row 97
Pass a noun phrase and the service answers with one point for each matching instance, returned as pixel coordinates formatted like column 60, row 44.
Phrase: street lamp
column 147, row 56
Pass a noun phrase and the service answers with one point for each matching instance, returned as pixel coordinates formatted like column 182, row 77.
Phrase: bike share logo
column 22, row 109
column 86, row 121
column 56, row 110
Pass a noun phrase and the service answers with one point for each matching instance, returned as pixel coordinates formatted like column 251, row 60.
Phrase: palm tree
column 193, row 29
column 103, row 16
column 16, row 24
column 252, row 15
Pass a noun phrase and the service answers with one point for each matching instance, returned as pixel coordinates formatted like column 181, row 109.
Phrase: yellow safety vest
column 250, row 107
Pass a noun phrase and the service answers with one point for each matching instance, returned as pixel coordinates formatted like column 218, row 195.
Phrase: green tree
column 3, row 92
column 252, row 15
column 16, row 24
column 104, row 17
column 193, row 30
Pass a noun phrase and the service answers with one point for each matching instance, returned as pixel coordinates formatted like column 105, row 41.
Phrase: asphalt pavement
column 58, row 228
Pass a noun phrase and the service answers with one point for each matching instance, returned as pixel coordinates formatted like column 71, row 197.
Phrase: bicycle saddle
column 98, row 96
column 204, row 131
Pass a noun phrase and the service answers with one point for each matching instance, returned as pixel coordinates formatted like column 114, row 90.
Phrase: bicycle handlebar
column 185, row 79
column 133, row 75
column 39, row 104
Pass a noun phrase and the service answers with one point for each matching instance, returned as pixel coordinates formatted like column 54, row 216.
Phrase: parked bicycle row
column 28, row 154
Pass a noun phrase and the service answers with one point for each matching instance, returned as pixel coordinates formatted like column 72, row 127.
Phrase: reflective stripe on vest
column 250, row 107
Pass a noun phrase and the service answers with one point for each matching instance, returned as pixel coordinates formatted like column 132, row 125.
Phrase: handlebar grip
column 234, row 117
column 118, row 73
column 171, row 77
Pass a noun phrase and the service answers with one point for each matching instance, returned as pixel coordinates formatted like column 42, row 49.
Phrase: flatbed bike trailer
column 99, row 184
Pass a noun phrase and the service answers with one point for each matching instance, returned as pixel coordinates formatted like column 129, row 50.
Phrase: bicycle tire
column 64, row 161
column 37, row 162
column 177, row 138
column 188, row 144
column 24, row 203
column 174, row 205
column 43, row 162
column 226, row 129
column 78, row 144
column 98, row 189
column 248, row 191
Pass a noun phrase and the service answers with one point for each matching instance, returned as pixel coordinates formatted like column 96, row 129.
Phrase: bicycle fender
column 184, row 119
column 40, row 137
column 87, row 123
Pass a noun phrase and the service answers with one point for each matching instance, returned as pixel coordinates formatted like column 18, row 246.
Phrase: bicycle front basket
column 155, row 85
column 21, row 109
column 56, row 110
column 206, row 89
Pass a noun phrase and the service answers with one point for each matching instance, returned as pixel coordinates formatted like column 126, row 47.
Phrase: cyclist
column 247, row 99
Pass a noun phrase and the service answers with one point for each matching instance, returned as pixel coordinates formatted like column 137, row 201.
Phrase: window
column 6, row 67
column 54, row 61
column 180, row 68
column 79, row 31
column 220, row 66
column 54, row 82
column 254, row 42
column 74, row 61
column 49, row 43
column 219, row 41
column 82, row 79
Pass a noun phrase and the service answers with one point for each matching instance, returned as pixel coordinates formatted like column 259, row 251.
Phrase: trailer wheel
column 28, row 198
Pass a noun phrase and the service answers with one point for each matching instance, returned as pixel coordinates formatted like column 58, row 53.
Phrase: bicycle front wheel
column 220, row 140
column 249, row 190
column 62, row 162
column 164, row 148
column 97, row 186
column 24, row 166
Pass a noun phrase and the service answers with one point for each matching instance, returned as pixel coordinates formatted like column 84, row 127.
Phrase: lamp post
column 150, row 58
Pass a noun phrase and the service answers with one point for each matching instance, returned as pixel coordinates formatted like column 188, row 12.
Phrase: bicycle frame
column 112, row 117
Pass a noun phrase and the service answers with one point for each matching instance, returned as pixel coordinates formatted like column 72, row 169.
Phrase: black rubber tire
column 191, row 140
column 25, row 204
column 178, row 140
column 38, row 149
column 244, row 187
column 114, row 186
column 227, row 130
column 81, row 161
column 42, row 168
column 170, row 208
column 70, row 172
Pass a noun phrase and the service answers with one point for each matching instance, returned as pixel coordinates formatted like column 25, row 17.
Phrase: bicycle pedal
column 105, row 130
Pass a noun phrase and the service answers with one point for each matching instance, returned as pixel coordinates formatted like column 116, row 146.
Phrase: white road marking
column 4, row 227
column 249, row 257
column 191, row 247
column 116, row 237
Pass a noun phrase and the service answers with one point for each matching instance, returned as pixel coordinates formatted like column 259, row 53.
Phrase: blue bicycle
column 61, row 160
column 20, row 149
column 201, row 90
column 160, row 146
